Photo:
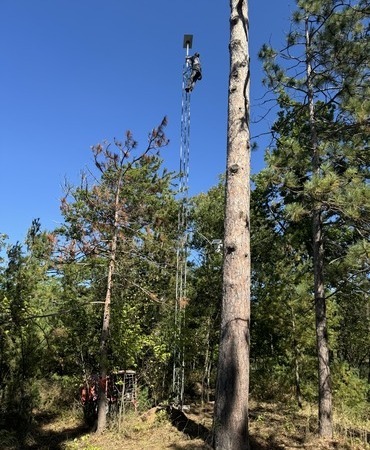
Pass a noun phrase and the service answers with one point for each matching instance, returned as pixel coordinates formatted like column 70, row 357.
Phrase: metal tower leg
column 182, row 249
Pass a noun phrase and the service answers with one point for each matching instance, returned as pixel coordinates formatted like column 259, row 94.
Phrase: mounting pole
column 178, row 380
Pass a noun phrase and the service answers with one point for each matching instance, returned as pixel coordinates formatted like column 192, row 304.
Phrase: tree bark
column 103, row 401
column 207, row 365
column 231, row 406
column 297, row 377
column 325, row 391
column 325, row 394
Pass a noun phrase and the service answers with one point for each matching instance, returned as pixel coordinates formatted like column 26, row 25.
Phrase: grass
column 272, row 427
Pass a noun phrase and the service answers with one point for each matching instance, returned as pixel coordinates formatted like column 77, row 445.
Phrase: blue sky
column 76, row 72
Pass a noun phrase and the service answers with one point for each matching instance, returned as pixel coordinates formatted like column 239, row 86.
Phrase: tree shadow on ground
column 256, row 444
column 198, row 431
column 191, row 446
column 188, row 426
column 46, row 439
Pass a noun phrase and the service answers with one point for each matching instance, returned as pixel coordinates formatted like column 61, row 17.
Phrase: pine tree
column 27, row 293
column 203, row 312
column 281, row 343
column 231, row 405
column 319, row 159
column 109, row 218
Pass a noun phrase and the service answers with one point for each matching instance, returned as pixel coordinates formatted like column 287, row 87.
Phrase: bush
column 350, row 392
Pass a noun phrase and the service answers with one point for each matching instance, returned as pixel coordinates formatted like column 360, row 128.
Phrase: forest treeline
column 97, row 294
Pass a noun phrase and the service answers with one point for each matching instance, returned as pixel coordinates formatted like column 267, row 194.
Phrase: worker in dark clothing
column 196, row 71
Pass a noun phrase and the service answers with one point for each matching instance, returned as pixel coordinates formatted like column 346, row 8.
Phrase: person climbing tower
column 196, row 71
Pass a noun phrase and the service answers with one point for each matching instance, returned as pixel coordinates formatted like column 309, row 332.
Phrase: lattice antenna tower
column 182, row 246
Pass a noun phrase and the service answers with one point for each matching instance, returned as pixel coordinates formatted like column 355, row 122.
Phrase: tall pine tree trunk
column 231, row 407
column 103, row 401
column 325, row 393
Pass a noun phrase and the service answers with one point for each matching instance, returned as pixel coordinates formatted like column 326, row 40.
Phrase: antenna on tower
column 188, row 42
column 178, row 379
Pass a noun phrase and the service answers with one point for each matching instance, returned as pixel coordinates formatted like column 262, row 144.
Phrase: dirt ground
column 271, row 426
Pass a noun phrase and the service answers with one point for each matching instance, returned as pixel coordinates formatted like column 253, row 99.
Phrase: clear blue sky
column 76, row 72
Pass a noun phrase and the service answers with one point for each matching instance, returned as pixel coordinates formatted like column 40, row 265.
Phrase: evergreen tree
column 203, row 311
column 281, row 343
column 231, row 404
column 109, row 225
column 319, row 161
column 28, row 293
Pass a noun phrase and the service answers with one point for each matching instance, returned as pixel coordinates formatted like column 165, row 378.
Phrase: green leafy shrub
column 350, row 393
